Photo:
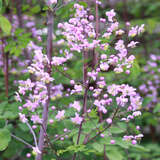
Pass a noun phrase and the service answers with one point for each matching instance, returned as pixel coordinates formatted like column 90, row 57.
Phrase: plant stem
column 46, row 106
column 49, row 142
column 85, row 57
column 5, row 67
column 21, row 140
column 34, row 135
column 95, row 57
column 19, row 12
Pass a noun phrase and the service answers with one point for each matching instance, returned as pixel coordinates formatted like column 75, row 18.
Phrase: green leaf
column 73, row 148
column 84, row 4
column 89, row 125
column 135, row 71
column 4, row 138
column 116, row 130
column 114, row 154
column 152, row 23
column 35, row 9
column 140, row 148
column 5, row 25
column 157, row 108
column 98, row 147
column 7, row 2
column 146, row 101
column 65, row 11
column 122, row 143
column 82, row 137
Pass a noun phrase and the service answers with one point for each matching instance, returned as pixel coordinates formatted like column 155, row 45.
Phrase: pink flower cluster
column 132, row 138
column 79, row 33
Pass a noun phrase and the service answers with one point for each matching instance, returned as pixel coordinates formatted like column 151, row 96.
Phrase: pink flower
column 141, row 29
column 109, row 120
column 113, row 89
column 137, row 113
column 102, row 135
column 112, row 141
column 60, row 114
column 132, row 44
column 52, row 2
column 119, row 32
column 77, row 119
column 23, row 118
column 17, row 97
column 93, row 75
column 110, row 15
column 133, row 31
column 72, row 82
column 104, row 66
column 28, row 155
column 58, row 60
column 77, row 89
column 51, row 121
column 36, row 119
column 134, row 142
column 76, row 105
column 91, row 17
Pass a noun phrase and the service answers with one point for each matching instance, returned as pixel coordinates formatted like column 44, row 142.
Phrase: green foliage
column 157, row 108
column 8, row 111
column 114, row 153
column 4, row 138
column 135, row 71
column 21, row 40
column 5, row 25
column 73, row 149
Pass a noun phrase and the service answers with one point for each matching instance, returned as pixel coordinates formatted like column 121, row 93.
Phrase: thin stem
column 125, row 12
column 85, row 65
column 46, row 106
column 19, row 13
column 5, row 67
column 34, row 135
column 6, row 73
column 49, row 142
column 95, row 57
column 21, row 140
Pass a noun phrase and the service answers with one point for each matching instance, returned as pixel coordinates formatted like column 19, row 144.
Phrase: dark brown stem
column 21, row 25
column 19, row 12
column 46, row 106
column 49, row 143
column 125, row 12
column 6, row 72
column 153, row 131
column 85, row 57
column 5, row 68
column 95, row 57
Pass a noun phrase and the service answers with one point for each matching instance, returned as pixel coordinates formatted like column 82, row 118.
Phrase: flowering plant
column 65, row 100
column 98, row 110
